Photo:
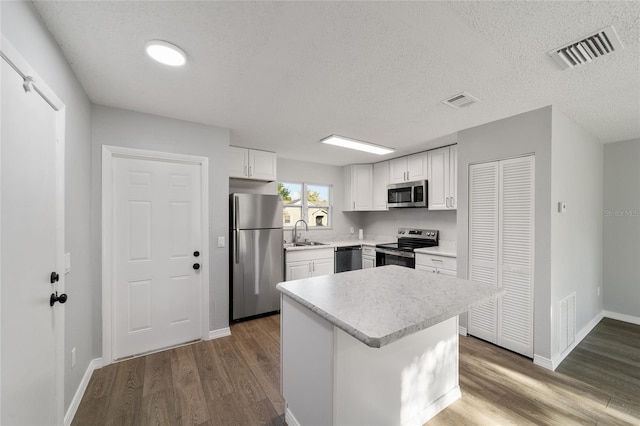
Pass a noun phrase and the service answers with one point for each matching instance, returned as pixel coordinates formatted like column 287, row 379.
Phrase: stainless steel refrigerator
column 256, row 263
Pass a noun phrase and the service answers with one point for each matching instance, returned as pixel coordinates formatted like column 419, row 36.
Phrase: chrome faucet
column 295, row 230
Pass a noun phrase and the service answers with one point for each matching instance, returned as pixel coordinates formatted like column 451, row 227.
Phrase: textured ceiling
column 283, row 75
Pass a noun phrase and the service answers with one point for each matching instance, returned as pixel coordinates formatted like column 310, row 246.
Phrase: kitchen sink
column 309, row 243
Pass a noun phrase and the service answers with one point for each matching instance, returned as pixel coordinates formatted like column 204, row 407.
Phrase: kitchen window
column 314, row 207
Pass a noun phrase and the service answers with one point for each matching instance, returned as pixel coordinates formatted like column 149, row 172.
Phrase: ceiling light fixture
column 356, row 144
column 165, row 53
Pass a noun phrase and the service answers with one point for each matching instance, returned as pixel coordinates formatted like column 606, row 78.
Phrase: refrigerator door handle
column 236, row 212
column 236, row 245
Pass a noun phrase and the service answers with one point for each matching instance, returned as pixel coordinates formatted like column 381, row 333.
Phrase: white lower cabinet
column 309, row 263
column 368, row 257
column 442, row 265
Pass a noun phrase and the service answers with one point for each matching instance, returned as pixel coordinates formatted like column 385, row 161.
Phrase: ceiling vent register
column 585, row 50
column 461, row 100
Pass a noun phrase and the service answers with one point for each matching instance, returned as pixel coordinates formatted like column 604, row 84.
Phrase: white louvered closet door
column 483, row 245
column 501, row 209
column 515, row 310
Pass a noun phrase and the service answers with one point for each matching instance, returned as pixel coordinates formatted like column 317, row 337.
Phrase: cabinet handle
column 246, row 172
column 314, row 266
column 249, row 170
column 452, row 202
column 354, row 205
column 310, row 266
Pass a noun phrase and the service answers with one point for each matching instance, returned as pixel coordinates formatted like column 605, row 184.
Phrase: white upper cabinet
column 442, row 166
column 358, row 187
column 409, row 168
column 252, row 164
column 380, row 183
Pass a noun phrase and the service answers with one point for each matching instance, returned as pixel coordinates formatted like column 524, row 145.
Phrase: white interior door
column 157, row 239
column 31, row 249
column 483, row 245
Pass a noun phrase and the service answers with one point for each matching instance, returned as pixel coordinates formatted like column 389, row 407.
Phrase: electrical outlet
column 67, row 263
column 220, row 241
column 73, row 357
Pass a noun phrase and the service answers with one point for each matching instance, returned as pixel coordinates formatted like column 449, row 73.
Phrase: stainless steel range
column 402, row 252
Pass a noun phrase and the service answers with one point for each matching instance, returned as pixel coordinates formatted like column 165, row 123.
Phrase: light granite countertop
column 447, row 251
column 379, row 306
column 337, row 243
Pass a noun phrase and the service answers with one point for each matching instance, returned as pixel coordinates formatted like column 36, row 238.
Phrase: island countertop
column 379, row 306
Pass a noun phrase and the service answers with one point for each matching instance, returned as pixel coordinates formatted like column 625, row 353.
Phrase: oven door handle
column 396, row 253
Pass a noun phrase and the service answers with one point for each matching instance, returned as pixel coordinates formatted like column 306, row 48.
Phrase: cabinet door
column 238, row 162
column 398, row 170
column 447, row 272
column 417, row 166
column 262, row 165
column 453, row 177
column 362, row 186
column 298, row 270
column 368, row 262
column 426, row 268
column 322, row 267
column 358, row 187
column 380, row 183
column 439, row 178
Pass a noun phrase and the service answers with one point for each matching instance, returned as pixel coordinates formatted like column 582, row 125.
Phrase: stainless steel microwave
column 407, row 194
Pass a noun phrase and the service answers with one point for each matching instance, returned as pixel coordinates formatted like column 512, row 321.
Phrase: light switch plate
column 67, row 263
column 562, row 207
column 220, row 241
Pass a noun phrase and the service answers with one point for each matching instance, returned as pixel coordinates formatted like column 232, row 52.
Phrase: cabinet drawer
column 440, row 262
column 309, row 254
column 368, row 251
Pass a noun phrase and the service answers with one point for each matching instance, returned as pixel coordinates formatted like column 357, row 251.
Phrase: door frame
column 12, row 56
column 110, row 152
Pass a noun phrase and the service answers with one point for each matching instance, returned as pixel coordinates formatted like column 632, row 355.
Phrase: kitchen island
column 372, row 347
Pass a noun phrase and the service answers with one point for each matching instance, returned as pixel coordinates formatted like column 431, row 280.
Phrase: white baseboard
column 82, row 387
column 434, row 408
column 622, row 317
column 421, row 418
column 221, row 332
column 543, row 362
column 290, row 418
column 554, row 362
column 462, row 330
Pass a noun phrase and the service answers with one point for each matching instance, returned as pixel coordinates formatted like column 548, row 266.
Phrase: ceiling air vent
column 461, row 100
column 585, row 50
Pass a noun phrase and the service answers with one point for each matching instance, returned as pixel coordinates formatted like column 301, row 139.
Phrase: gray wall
column 112, row 126
column 511, row 137
column 576, row 236
column 22, row 26
column 388, row 222
column 622, row 228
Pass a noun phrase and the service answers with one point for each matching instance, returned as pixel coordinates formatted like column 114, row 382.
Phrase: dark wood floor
column 235, row 381
column 597, row 384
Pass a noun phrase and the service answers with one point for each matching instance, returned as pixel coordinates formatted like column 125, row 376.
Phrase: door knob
column 196, row 266
column 196, row 253
column 55, row 298
column 54, row 277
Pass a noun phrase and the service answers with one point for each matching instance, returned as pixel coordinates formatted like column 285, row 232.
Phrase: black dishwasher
column 348, row 258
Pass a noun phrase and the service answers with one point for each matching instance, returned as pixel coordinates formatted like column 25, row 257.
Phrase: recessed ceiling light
column 165, row 53
column 355, row 144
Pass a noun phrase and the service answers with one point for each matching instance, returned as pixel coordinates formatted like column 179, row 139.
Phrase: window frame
column 305, row 205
